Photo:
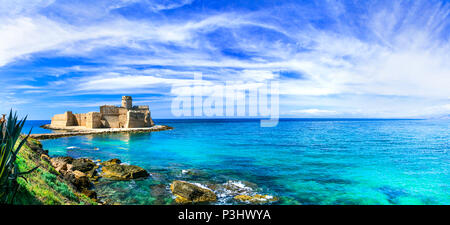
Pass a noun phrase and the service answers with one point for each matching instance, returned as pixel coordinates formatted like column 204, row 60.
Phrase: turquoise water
column 303, row 161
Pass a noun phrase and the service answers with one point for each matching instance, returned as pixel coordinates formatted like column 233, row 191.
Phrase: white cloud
column 159, row 5
column 119, row 82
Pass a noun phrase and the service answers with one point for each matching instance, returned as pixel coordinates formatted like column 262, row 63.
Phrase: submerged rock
column 256, row 199
column 160, row 193
column 226, row 191
column 123, row 172
column 191, row 193
column 238, row 187
column 158, row 190
column 196, row 173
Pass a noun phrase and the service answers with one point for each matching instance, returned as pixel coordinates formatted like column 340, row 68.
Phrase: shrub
column 10, row 131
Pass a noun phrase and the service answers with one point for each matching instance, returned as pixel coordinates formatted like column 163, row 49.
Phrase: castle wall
column 113, row 117
column 141, row 107
column 139, row 118
column 63, row 120
column 93, row 120
column 135, row 119
column 109, row 110
column 123, row 119
column 111, row 121
column 80, row 119
column 109, row 117
column 59, row 120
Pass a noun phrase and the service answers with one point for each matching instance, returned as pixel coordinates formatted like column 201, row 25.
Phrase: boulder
column 123, row 172
column 83, row 165
column 256, row 199
column 60, row 163
column 74, row 170
column 78, row 174
column 191, row 193
column 78, row 179
column 111, row 162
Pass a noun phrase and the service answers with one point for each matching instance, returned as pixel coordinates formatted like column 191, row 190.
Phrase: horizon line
column 281, row 118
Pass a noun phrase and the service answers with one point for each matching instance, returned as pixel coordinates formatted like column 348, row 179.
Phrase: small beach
column 301, row 161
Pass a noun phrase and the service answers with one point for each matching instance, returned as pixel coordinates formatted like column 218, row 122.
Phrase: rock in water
column 111, row 162
column 123, row 172
column 83, row 164
column 188, row 193
column 256, row 199
column 78, row 179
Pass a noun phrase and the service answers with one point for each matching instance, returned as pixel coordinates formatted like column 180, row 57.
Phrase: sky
column 352, row 59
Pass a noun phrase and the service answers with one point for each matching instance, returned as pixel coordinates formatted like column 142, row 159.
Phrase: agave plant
column 9, row 172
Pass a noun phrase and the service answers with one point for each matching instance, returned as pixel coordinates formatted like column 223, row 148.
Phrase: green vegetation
column 41, row 183
column 60, row 187
column 9, row 170
column 44, row 185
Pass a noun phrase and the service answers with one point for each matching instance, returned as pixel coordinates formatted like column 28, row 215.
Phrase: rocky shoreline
column 84, row 174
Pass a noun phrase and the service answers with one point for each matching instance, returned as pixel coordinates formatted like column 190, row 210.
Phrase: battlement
column 110, row 116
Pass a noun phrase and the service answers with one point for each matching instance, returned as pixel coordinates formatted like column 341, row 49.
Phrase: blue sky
column 378, row 59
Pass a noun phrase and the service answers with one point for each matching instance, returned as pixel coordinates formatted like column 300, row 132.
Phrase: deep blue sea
column 301, row 161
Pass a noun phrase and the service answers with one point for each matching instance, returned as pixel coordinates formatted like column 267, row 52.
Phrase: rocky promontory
column 77, row 131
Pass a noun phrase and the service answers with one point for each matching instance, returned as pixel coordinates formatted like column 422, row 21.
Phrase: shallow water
column 302, row 161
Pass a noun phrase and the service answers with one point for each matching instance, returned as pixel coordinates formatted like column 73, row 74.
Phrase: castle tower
column 127, row 102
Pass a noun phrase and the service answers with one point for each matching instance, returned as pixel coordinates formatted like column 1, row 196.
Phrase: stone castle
column 126, row 116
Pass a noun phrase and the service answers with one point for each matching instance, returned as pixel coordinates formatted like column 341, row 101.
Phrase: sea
column 298, row 162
